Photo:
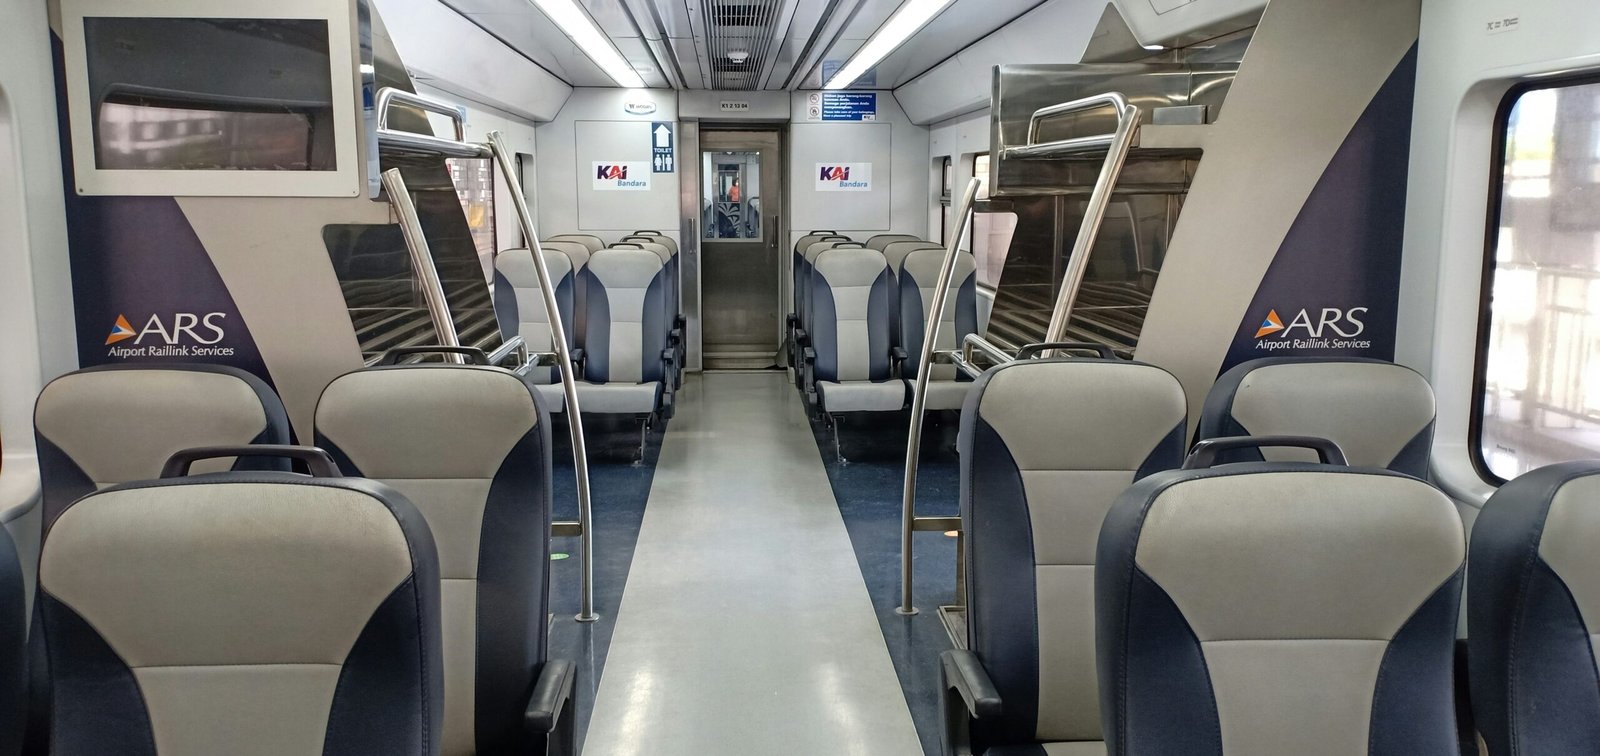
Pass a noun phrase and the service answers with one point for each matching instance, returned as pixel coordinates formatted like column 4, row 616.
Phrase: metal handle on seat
column 425, row 143
column 1034, row 350
column 474, row 354
column 316, row 460
column 1205, row 453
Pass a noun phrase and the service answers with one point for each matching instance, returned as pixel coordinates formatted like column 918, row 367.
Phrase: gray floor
column 746, row 627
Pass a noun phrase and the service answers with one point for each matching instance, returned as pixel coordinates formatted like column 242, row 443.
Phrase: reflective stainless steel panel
column 741, row 201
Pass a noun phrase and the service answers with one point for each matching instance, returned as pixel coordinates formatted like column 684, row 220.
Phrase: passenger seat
column 1279, row 608
column 469, row 445
column 851, row 364
column 627, row 361
column 1379, row 413
column 578, row 255
column 1533, row 613
column 519, row 306
column 249, row 614
column 1046, row 447
column 918, row 282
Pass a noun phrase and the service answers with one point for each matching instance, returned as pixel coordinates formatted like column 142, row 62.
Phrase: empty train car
column 800, row 377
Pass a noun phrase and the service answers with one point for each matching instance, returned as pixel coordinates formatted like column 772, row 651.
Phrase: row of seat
column 194, row 596
column 619, row 306
column 861, row 314
column 1126, row 600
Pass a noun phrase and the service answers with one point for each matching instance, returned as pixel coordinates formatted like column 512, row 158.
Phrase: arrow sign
column 663, row 135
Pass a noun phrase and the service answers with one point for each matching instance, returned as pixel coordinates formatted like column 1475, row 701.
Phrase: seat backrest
column 880, row 241
column 659, row 238
column 1046, row 446
column 807, row 264
column 13, row 647
column 627, row 319
column 1533, row 613
column 117, row 423
column 519, row 302
column 1274, row 608
column 243, row 613
column 895, row 253
column 849, row 315
column 1381, row 414
column 470, row 447
column 918, row 281
column 802, row 265
column 812, row 238
column 578, row 255
column 589, row 241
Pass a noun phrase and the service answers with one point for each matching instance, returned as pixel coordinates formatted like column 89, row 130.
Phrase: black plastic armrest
column 964, row 674
column 675, row 336
column 800, row 335
column 578, row 357
column 669, row 355
column 898, row 354
column 809, row 354
column 551, row 694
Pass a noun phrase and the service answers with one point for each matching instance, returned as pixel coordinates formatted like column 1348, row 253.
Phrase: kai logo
column 834, row 173
column 120, row 331
column 611, row 172
column 1271, row 325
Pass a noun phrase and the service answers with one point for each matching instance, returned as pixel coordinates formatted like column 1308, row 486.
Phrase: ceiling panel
column 957, row 26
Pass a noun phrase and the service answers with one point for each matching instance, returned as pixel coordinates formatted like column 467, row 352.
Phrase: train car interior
column 800, row 377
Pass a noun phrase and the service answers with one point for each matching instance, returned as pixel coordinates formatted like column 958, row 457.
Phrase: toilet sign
column 661, row 147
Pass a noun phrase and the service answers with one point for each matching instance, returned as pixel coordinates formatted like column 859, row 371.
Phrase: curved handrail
column 569, row 380
column 444, row 326
column 426, row 143
column 919, row 394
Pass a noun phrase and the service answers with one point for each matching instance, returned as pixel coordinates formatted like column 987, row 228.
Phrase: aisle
column 745, row 626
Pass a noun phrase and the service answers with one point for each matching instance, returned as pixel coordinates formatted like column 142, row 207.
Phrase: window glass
column 980, row 171
column 732, row 194
column 1539, row 369
column 254, row 95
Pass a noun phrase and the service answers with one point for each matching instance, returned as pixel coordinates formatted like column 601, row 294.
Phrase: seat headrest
column 1381, row 414
column 850, row 266
column 393, row 422
column 518, row 267
column 112, row 424
column 621, row 268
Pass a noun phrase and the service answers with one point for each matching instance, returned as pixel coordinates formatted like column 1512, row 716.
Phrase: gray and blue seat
column 799, row 279
column 520, row 308
column 1046, row 447
column 880, row 242
column 628, row 361
column 469, row 446
column 1533, row 613
column 1279, row 608
column 664, row 247
column 247, row 613
column 1379, row 413
column 918, row 280
column 851, row 363
column 578, row 256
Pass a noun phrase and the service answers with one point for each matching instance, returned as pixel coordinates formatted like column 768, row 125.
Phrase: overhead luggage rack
column 394, row 142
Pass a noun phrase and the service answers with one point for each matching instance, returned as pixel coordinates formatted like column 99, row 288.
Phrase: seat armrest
column 809, row 354
column 552, row 694
column 964, row 674
column 578, row 358
column 800, row 336
column 669, row 355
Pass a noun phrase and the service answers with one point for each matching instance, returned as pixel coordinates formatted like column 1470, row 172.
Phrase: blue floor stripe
column 868, row 489
column 618, row 492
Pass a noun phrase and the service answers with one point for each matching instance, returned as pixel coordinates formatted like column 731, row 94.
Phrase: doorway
column 740, row 200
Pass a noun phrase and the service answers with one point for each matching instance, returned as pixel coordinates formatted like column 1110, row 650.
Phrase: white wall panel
column 593, row 126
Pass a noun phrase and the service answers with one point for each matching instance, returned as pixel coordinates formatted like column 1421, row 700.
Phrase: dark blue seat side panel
column 1002, row 601
column 13, row 647
column 1535, row 687
column 1155, row 689
column 597, row 331
column 1413, row 706
column 389, row 695
column 97, row 707
column 505, row 306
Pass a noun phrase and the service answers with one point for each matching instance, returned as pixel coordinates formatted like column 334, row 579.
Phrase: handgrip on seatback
column 393, row 356
column 1206, row 452
column 316, row 460
column 1031, row 351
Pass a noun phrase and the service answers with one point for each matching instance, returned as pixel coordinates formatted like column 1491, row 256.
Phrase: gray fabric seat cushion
column 947, row 395
column 619, row 398
column 862, row 396
column 1083, row 748
column 554, row 397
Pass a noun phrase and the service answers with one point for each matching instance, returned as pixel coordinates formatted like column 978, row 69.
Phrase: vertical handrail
column 422, row 261
column 919, row 395
column 569, row 381
column 1094, row 215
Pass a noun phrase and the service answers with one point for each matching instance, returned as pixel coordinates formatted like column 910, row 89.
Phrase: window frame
column 1491, row 244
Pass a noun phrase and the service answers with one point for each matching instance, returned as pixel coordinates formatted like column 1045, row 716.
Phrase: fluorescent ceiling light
column 577, row 25
column 906, row 21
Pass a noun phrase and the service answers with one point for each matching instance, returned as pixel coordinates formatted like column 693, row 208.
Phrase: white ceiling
column 685, row 43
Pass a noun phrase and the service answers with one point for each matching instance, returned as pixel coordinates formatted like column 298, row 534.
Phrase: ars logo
column 1330, row 321
column 834, row 173
column 611, row 172
column 206, row 329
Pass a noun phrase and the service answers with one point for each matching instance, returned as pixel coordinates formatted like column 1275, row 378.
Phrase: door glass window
column 731, row 195
column 1539, row 369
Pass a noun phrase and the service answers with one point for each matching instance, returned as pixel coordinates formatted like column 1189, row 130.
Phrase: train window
column 474, row 181
column 262, row 103
column 947, row 181
column 1539, row 363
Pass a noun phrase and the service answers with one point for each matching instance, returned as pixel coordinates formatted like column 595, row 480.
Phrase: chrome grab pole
column 422, row 261
column 569, row 381
column 1095, row 214
column 424, row 143
column 919, row 399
